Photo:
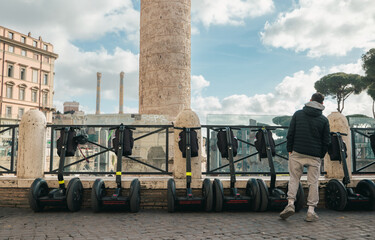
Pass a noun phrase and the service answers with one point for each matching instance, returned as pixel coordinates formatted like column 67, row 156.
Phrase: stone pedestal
column 339, row 123
column 187, row 118
column 32, row 145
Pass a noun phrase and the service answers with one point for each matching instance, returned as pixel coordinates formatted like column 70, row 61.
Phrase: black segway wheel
column 367, row 189
column 263, row 189
column 74, row 195
column 299, row 203
column 135, row 195
column 218, row 195
column 252, row 190
column 97, row 192
column 39, row 188
column 171, row 195
column 335, row 195
column 207, row 194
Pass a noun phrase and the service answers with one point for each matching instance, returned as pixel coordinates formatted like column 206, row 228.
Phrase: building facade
column 26, row 75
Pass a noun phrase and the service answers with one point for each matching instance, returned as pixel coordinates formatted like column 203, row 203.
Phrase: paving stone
column 20, row 223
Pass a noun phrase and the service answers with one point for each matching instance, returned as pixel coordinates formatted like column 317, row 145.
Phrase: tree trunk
column 373, row 108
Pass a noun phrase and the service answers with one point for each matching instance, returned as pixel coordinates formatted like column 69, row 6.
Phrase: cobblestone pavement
column 159, row 224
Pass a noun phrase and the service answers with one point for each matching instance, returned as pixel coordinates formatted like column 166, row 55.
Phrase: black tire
column 336, row 196
column 39, row 188
column 74, row 195
column 263, row 195
column 97, row 192
column 135, row 196
column 207, row 194
column 367, row 189
column 218, row 195
column 171, row 195
column 252, row 190
column 299, row 203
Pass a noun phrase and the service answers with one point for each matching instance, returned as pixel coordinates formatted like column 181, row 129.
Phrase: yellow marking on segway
column 118, row 173
column 188, row 173
column 61, row 182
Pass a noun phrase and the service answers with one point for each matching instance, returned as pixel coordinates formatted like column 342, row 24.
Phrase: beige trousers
column 296, row 163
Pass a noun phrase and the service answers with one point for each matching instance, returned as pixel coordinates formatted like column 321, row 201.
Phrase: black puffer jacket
column 309, row 131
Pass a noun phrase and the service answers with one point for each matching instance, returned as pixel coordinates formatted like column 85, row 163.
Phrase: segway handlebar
column 117, row 127
column 338, row 133
column 183, row 128
column 222, row 128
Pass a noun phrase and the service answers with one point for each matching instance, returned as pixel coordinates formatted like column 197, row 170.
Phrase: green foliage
column 369, row 63
column 340, row 86
column 282, row 120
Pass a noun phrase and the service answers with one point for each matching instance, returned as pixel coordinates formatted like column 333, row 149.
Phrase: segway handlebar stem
column 346, row 179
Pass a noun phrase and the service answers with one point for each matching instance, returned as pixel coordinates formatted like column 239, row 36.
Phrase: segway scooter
column 227, row 145
column 189, row 141
column 71, row 197
column 337, row 194
column 273, row 198
column 123, row 144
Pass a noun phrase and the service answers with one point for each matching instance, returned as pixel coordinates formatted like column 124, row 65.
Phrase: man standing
column 307, row 142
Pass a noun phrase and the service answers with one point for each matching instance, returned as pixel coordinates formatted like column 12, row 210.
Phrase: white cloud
column 289, row 95
column 63, row 23
column 323, row 27
column 224, row 12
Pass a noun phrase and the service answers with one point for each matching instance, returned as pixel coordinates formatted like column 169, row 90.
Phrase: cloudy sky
column 248, row 56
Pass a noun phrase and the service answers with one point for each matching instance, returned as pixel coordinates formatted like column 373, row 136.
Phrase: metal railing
column 150, row 152
column 363, row 158
column 247, row 160
column 8, row 148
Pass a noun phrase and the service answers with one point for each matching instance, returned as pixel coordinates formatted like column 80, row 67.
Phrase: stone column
column 186, row 118
column 98, row 79
column 165, row 50
column 121, row 105
column 339, row 123
column 32, row 145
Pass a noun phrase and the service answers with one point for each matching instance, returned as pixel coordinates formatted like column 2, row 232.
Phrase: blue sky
column 248, row 56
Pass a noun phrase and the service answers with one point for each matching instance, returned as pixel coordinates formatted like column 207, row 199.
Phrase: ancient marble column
column 164, row 64
column 121, row 105
column 98, row 79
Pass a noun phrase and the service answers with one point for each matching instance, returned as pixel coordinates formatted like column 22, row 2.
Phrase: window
column 23, row 52
column 21, row 94
column 45, row 99
column 23, row 73
column 46, row 59
column 35, row 76
column 36, row 56
column 10, row 70
column 8, row 112
column 45, row 47
column 23, row 39
column 34, row 94
column 45, row 79
column 21, row 111
column 35, row 43
column 11, row 49
column 9, row 91
column 10, row 35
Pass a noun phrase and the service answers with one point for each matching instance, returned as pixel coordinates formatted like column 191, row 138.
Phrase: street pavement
column 22, row 223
